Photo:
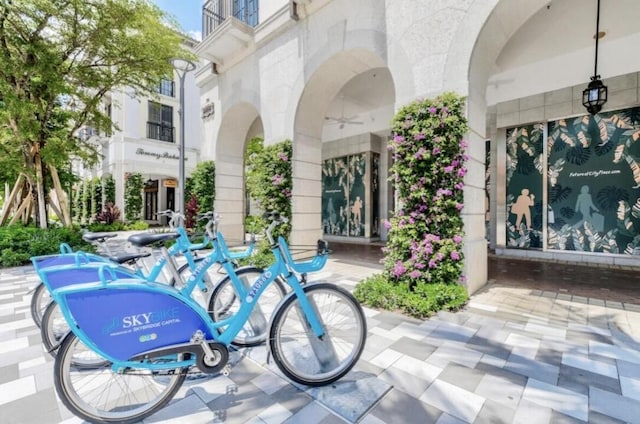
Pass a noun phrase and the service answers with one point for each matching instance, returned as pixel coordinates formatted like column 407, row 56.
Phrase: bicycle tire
column 39, row 301
column 296, row 354
column 53, row 328
column 224, row 303
column 77, row 387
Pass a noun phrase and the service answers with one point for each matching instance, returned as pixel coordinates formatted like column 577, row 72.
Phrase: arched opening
column 529, row 66
column 240, row 123
column 341, row 124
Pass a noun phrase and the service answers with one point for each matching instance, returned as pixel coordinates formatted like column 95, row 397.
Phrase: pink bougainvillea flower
column 457, row 239
column 455, row 255
column 415, row 274
column 283, row 156
column 399, row 269
column 448, row 169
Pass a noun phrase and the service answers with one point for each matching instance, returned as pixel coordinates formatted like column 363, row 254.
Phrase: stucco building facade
column 330, row 74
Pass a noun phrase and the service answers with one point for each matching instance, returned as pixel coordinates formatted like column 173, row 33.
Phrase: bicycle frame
column 121, row 319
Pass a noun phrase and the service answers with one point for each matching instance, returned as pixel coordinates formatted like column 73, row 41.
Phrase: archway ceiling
column 555, row 48
column 566, row 26
column 371, row 89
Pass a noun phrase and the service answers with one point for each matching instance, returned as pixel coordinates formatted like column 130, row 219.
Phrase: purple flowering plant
column 428, row 171
column 423, row 255
column 269, row 178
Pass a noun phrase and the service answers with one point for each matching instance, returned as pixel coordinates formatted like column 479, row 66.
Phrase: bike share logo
column 258, row 284
column 143, row 321
column 204, row 263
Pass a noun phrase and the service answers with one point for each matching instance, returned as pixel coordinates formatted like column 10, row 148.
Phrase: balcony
column 227, row 26
column 160, row 132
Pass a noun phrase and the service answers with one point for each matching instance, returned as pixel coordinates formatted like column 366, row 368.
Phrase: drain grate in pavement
column 352, row 396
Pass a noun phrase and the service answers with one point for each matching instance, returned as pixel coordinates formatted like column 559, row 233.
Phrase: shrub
column 109, row 214
column 191, row 212
column 421, row 302
column 136, row 226
column 18, row 243
column 106, row 228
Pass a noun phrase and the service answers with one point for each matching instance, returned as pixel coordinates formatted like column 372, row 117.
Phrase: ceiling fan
column 342, row 120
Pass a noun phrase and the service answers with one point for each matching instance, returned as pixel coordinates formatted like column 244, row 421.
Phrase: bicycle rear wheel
column 53, row 328
column 39, row 302
column 311, row 360
column 100, row 395
column 224, row 303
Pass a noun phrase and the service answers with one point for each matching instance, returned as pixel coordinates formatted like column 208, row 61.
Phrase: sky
column 188, row 13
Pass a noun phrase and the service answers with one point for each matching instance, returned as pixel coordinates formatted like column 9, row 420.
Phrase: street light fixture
column 182, row 67
column 595, row 95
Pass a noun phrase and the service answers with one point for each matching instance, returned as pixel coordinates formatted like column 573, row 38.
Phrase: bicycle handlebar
column 175, row 218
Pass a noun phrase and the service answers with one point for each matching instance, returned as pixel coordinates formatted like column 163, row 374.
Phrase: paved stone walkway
column 513, row 355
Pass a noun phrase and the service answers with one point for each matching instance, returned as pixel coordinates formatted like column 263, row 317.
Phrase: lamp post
column 181, row 66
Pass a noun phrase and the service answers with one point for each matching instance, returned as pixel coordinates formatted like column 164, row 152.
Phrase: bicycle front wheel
column 225, row 302
column 39, row 302
column 306, row 358
column 100, row 395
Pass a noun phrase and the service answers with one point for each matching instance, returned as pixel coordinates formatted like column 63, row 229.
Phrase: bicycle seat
column 101, row 237
column 145, row 239
column 129, row 257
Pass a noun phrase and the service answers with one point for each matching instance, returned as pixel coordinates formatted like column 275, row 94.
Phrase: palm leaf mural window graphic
column 594, row 182
column 524, row 170
column 343, row 196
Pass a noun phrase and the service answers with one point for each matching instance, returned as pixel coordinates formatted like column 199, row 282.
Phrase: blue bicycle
column 40, row 298
column 54, row 326
column 133, row 342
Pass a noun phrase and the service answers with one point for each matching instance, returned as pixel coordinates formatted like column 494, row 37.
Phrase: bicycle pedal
column 226, row 370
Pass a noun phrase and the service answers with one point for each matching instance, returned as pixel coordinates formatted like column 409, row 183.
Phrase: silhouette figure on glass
column 521, row 208
column 355, row 209
column 584, row 205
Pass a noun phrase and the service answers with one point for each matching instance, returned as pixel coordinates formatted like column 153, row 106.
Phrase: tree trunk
column 22, row 211
column 8, row 204
column 62, row 198
column 40, row 198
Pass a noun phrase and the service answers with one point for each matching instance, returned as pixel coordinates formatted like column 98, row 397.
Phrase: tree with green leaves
column 59, row 59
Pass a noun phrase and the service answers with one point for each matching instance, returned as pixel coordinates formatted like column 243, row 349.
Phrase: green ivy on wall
column 269, row 179
column 133, row 196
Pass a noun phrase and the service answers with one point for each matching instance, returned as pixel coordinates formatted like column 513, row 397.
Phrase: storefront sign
column 170, row 183
column 208, row 110
column 158, row 155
